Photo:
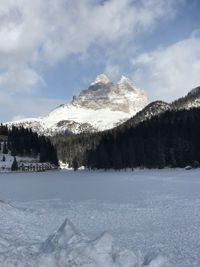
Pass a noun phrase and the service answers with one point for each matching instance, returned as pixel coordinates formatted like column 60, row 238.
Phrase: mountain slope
column 102, row 106
column 156, row 108
column 77, row 146
column 153, row 109
column 191, row 100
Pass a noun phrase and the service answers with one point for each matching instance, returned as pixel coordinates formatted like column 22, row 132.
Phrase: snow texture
column 151, row 217
column 67, row 247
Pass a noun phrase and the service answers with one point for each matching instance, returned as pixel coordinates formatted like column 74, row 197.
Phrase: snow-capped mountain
column 102, row 106
column 103, row 94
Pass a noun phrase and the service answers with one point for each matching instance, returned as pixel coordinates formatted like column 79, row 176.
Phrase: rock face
column 102, row 94
column 102, row 106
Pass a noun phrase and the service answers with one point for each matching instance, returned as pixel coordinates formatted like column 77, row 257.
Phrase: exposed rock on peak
column 102, row 78
column 122, row 96
column 103, row 105
column 125, row 83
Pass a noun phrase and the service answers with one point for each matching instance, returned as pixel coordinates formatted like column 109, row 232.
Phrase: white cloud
column 113, row 71
column 169, row 72
column 35, row 33
column 25, row 77
column 16, row 107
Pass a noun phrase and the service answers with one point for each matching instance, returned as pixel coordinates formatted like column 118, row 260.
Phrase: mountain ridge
column 78, row 146
column 103, row 105
column 156, row 108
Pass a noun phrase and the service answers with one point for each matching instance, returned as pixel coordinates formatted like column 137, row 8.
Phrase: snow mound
column 65, row 235
column 67, row 247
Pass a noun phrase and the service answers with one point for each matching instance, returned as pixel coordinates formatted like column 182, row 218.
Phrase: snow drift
column 67, row 247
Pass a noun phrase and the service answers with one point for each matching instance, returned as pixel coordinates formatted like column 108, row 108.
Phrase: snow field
column 66, row 247
column 152, row 217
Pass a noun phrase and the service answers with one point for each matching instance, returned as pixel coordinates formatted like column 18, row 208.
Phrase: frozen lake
column 156, row 212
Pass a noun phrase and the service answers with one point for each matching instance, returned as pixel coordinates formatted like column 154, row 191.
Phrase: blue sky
column 50, row 50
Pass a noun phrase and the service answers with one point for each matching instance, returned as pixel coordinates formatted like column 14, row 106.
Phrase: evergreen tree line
column 72, row 149
column 24, row 142
column 172, row 139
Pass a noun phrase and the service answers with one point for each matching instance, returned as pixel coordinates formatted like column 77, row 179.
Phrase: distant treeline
column 24, row 142
column 171, row 139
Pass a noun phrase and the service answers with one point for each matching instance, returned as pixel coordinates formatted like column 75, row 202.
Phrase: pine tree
column 5, row 148
column 171, row 139
column 196, row 164
column 172, row 158
column 13, row 151
column 75, row 164
column 14, row 166
column 161, row 161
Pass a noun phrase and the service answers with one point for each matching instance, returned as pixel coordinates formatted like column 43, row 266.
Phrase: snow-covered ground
column 6, row 165
column 8, row 160
column 153, row 216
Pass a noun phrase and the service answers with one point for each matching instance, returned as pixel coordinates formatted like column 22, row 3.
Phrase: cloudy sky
column 52, row 49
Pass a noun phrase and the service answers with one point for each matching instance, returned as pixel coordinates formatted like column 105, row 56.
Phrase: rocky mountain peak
column 125, row 84
column 104, row 94
column 102, row 78
column 124, row 79
column 101, row 106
